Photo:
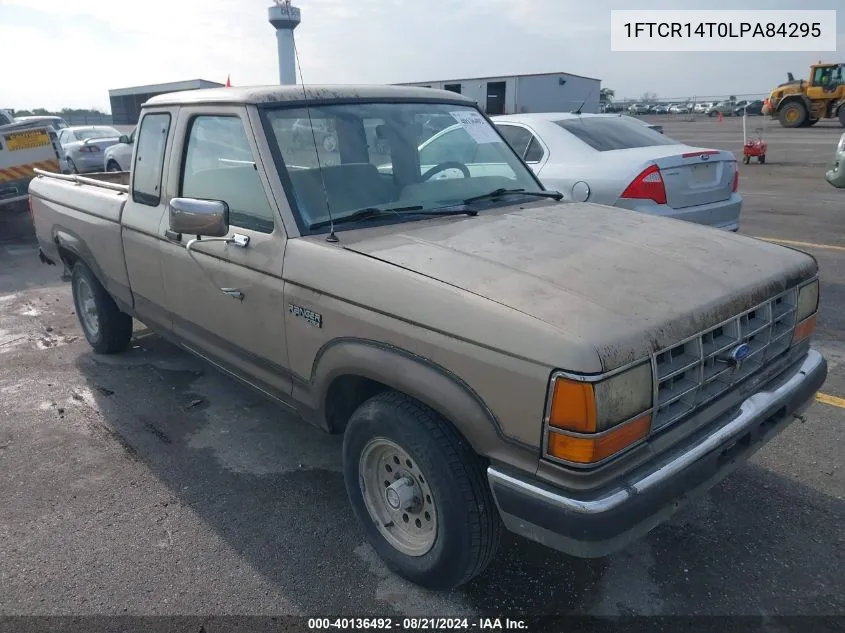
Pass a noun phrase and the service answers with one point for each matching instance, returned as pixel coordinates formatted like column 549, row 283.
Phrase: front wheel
column 419, row 492
column 107, row 329
column 793, row 115
column 113, row 166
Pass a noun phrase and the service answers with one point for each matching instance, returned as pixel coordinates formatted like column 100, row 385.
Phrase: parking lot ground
column 147, row 483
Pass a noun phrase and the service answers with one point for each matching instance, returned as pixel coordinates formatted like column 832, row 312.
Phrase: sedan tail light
column 736, row 179
column 89, row 149
column 647, row 186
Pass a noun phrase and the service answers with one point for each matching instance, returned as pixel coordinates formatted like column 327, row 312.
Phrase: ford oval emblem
column 740, row 353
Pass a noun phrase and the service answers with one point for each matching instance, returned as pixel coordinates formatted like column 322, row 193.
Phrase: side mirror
column 124, row 139
column 191, row 216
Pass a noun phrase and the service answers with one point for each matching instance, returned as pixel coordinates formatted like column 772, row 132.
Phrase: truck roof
column 258, row 95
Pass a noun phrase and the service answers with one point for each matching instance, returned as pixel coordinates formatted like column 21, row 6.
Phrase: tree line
column 64, row 112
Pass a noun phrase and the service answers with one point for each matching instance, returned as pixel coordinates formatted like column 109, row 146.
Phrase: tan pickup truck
column 493, row 356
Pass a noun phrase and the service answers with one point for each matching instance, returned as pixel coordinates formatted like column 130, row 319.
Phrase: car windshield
column 339, row 159
column 96, row 132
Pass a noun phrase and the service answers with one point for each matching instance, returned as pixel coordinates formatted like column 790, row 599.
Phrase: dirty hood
column 626, row 283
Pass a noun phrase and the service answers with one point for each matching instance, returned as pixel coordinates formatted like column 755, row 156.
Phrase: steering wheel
column 449, row 164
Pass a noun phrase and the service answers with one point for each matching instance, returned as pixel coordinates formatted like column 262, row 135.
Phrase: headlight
column 805, row 312
column 590, row 421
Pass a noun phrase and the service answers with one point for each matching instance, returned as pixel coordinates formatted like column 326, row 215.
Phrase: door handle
column 173, row 235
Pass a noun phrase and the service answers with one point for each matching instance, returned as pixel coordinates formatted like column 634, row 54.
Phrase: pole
column 744, row 131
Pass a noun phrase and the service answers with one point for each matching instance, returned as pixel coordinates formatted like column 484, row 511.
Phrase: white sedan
column 616, row 160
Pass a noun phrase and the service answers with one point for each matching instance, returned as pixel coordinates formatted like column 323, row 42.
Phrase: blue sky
column 70, row 52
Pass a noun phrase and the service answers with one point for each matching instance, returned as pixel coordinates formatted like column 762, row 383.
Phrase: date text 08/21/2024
column 723, row 29
column 415, row 624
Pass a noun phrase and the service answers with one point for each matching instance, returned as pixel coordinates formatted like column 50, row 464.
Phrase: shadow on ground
column 270, row 486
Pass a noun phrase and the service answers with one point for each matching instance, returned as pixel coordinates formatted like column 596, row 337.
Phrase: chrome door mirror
column 209, row 218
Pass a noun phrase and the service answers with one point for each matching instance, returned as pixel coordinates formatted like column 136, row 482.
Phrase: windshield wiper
column 498, row 193
column 373, row 212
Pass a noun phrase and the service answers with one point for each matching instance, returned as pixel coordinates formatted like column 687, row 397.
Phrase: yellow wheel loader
column 800, row 103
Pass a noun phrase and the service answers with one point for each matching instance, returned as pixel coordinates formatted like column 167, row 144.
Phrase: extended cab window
column 219, row 165
column 608, row 133
column 149, row 159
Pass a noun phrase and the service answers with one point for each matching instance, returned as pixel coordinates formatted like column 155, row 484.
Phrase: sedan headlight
column 805, row 311
column 588, row 422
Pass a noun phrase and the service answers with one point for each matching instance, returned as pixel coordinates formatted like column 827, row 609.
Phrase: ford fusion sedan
column 84, row 146
column 614, row 160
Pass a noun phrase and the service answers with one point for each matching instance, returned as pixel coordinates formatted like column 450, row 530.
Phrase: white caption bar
column 725, row 30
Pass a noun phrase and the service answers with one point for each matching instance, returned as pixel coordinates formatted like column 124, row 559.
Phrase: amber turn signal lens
column 804, row 329
column 588, row 450
column 573, row 406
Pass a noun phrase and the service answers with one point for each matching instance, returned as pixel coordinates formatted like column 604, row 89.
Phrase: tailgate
column 697, row 177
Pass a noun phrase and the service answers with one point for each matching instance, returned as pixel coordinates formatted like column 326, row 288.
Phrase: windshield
column 347, row 157
column 96, row 132
column 609, row 133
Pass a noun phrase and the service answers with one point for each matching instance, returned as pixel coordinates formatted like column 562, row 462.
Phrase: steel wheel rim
column 792, row 115
column 387, row 474
column 87, row 307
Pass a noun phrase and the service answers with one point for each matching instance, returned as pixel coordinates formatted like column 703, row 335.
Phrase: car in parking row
column 84, row 146
column 608, row 159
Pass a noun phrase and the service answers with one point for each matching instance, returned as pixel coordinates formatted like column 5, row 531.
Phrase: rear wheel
column 419, row 492
column 107, row 329
column 793, row 114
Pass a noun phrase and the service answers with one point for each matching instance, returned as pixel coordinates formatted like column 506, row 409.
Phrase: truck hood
column 628, row 283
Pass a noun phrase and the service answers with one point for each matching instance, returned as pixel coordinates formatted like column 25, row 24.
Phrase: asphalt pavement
column 147, row 483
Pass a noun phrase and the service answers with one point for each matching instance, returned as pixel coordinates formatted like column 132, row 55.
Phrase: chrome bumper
column 602, row 522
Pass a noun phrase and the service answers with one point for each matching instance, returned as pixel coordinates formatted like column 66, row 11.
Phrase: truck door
column 143, row 217
column 242, row 330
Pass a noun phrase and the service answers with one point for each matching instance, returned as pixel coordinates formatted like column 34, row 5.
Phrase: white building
column 513, row 94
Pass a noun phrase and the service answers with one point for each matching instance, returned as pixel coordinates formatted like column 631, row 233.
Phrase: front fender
column 420, row 378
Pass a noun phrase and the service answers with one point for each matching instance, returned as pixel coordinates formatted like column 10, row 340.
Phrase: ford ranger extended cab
column 494, row 358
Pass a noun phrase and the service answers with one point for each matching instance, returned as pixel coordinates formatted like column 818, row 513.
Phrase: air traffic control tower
column 285, row 18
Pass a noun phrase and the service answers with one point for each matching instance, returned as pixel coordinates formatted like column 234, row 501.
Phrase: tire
column 107, row 329
column 113, row 166
column 762, row 159
column 793, row 114
column 458, row 525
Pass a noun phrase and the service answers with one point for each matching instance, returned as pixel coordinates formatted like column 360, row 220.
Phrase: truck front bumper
column 605, row 521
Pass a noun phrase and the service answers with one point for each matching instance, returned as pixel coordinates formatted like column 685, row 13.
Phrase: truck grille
column 691, row 373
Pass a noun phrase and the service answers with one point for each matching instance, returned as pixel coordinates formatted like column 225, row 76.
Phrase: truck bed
column 80, row 216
